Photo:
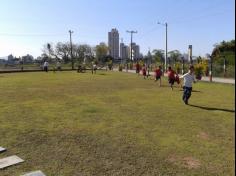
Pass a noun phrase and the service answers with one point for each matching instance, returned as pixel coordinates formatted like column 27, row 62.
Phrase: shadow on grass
column 212, row 109
column 192, row 90
column 103, row 74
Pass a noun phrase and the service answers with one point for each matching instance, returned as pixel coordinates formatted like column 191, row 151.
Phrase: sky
column 26, row 25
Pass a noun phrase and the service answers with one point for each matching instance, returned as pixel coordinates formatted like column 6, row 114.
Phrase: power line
column 31, row 34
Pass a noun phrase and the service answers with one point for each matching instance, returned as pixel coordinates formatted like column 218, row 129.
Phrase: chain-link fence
column 218, row 70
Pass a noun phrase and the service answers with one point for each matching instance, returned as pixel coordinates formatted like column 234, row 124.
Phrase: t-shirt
column 144, row 70
column 171, row 74
column 45, row 64
column 188, row 79
column 158, row 72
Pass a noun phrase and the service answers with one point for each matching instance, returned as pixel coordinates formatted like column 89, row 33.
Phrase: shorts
column 158, row 77
column 171, row 81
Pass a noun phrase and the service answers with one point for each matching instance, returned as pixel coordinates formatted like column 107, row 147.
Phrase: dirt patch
column 191, row 163
column 187, row 162
column 173, row 159
column 203, row 135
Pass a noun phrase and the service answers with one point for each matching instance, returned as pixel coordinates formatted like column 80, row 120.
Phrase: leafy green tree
column 82, row 52
column 158, row 55
column 101, row 52
column 174, row 55
column 224, row 49
column 62, row 51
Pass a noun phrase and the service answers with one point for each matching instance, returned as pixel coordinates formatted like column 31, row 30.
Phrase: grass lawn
column 111, row 123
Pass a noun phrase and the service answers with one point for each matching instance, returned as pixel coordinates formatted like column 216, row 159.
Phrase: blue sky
column 25, row 25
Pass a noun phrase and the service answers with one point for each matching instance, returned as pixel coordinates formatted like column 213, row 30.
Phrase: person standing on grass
column 158, row 73
column 45, row 66
column 171, row 77
column 148, row 70
column 58, row 65
column 94, row 68
column 144, row 72
column 188, row 80
column 137, row 68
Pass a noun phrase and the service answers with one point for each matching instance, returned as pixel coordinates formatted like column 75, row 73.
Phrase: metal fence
column 217, row 69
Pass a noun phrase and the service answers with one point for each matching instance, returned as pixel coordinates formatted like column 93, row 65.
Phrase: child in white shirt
column 188, row 80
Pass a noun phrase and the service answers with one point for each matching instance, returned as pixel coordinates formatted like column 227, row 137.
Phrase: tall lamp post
column 165, row 24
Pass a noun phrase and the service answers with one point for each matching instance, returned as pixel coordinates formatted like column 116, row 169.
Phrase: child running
column 137, row 68
column 158, row 74
column 188, row 80
column 171, row 77
column 144, row 72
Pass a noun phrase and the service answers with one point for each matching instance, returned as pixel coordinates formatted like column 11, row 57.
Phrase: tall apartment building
column 124, row 51
column 136, row 51
column 113, row 43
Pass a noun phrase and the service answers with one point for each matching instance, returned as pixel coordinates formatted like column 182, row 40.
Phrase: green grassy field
column 70, row 124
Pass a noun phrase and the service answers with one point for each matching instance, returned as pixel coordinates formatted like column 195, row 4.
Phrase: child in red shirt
column 137, row 68
column 158, row 73
column 144, row 72
column 171, row 77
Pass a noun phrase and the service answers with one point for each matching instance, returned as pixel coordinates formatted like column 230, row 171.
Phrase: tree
column 158, row 55
column 62, row 51
column 224, row 49
column 49, row 52
column 174, row 55
column 101, row 52
column 82, row 52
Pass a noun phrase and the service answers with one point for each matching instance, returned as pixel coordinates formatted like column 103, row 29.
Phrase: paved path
column 214, row 79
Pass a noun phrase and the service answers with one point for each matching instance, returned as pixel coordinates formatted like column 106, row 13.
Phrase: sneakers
column 186, row 101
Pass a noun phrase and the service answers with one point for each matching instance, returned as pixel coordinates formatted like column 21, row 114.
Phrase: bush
column 120, row 67
column 199, row 71
column 177, row 67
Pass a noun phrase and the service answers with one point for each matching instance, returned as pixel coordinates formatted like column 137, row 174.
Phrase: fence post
column 224, row 66
column 210, row 69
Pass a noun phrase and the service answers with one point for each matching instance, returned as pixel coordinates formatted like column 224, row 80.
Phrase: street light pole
column 72, row 60
column 166, row 25
column 131, row 44
column 166, row 47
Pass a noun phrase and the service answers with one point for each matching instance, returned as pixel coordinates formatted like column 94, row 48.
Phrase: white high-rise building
column 124, row 51
column 135, row 52
column 113, row 43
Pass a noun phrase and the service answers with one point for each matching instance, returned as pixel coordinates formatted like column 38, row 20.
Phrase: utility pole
column 72, row 60
column 131, row 44
column 166, row 47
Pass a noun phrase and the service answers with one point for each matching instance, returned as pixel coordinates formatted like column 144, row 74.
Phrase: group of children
column 173, row 77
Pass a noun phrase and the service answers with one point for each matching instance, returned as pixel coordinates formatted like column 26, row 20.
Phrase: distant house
column 10, row 60
column 28, row 59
